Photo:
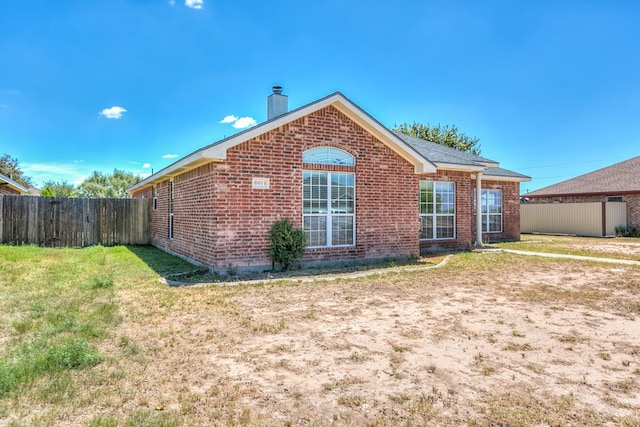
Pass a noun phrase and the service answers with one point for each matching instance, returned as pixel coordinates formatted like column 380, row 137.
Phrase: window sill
column 312, row 248
column 435, row 239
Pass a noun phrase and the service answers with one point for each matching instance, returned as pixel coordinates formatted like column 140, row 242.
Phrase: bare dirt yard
column 488, row 339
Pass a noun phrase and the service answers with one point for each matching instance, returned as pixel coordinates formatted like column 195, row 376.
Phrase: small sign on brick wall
column 260, row 183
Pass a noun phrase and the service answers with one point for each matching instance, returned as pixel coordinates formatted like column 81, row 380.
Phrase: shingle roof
column 425, row 155
column 505, row 173
column 438, row 153
column 623, row 177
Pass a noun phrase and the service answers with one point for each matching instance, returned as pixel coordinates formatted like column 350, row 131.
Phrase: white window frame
column 154, row 195
column 329, row 215
column 434, row 214
column 328, row 156
column 484, row 211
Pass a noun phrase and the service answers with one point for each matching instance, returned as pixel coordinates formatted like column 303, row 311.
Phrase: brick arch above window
column 328, row 156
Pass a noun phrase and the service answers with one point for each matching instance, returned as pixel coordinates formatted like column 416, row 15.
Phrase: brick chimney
column 277, row 103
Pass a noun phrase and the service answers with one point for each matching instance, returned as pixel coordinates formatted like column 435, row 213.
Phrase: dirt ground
column 488, row 339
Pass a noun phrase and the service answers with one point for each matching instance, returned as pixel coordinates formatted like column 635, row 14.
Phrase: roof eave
column 218, row 151
column 14, row 185
column 460, row 167
column 183, row 165
column 400, row 147
column 586, row 193
column 505, row 178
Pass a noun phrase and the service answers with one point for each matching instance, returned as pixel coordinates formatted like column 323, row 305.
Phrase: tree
column 10, row 167
column 58, row 189
column 100, row 185
column 443, row 135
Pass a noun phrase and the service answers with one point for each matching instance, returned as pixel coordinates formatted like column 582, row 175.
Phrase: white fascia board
column 182, row 165
column 462, row 168
column 505, row 178
column 14, row 185
column 420, row 163
column 490, row 165
column 218, row 151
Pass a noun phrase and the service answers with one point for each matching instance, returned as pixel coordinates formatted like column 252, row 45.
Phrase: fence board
column 596, row 219
column 63, row 221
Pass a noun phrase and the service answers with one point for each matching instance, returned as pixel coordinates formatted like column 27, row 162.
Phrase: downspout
column 479, row 209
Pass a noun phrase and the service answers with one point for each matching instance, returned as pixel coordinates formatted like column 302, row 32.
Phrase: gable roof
column 620, row 178
column 425, row 156
column 21, row 189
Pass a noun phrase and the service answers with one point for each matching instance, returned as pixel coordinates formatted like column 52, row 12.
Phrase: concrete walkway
column 342, row 276
column 319, row 278
column 577, row 257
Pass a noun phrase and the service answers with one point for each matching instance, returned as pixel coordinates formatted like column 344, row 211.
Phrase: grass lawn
column 617, row 248
column 93, row 337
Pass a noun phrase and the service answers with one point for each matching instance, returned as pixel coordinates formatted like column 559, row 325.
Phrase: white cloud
column 194, row 4
column 114, row 112
column 169, row 156
column 172, row 2
column 229, row 119
column 74, row 173
column 244, row 122
column 239, row 122
column 146, row 166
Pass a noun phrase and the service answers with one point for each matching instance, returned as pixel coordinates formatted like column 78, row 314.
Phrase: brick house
column 9, row 186
column 359, row 191
column 616, row 183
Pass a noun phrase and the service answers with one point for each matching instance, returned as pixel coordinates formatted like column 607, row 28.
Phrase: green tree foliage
column 99, row 185
column 287, row 243
column 58, row 189
column 10, row 167
column 443, row 135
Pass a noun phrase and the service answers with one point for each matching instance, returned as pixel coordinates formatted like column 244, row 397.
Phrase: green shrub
column 287, row 244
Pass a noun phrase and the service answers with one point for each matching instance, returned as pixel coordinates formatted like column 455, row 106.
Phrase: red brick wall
column 633, row 210
column 632, row 200
column 464, row 187
column 222, row 222
column 510, row 211
column 4, row 189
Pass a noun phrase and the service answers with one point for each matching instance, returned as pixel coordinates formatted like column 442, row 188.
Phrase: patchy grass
column 617, row 248
column 526, row 408
column 93, row 337
column 57, row 306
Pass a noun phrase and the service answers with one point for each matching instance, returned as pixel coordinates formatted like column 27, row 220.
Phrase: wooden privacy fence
column 64, row 221
column 596, row 219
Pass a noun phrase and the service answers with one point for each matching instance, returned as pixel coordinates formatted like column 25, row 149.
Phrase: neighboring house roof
column 621, row 178
column 425, row 156
column 21, row 189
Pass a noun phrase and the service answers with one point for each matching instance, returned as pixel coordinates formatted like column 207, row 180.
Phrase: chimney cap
column 277, row 90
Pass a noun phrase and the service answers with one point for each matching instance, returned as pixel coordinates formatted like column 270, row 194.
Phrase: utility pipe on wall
column 479, row 209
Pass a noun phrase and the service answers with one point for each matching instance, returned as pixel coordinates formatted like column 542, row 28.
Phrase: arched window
column 328, row 156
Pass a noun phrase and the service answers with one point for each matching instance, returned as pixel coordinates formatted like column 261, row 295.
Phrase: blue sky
column 551, row 88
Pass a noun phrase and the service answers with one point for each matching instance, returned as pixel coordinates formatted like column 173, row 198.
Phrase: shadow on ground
column 177, row 271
